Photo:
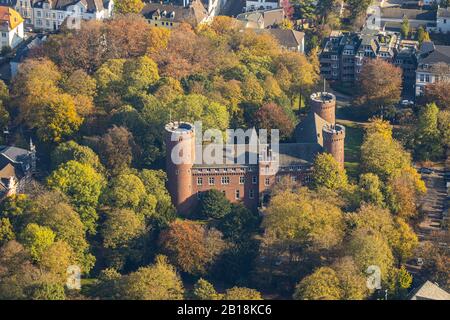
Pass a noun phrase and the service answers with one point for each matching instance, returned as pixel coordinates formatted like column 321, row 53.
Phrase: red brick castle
column 251, row 182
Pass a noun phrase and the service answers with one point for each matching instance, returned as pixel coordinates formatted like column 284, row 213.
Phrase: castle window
column 199, row 181
column 267, row 182
column 237, row 194
column 254, row 179
column 211, row 181
column 241, row 180
column 225, row 180
column 251, row 194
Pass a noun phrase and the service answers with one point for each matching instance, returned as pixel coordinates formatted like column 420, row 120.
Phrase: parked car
column 407, row 103
column 426, row 171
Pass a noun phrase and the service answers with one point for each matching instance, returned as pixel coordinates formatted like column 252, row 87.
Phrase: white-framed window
column 254, row 179
column 267, row 182
column 211, row 181
column 237, row 194
column 294, row 179
column 241, row 180
column 199, row 181
column 225, row 180
column 427, row 78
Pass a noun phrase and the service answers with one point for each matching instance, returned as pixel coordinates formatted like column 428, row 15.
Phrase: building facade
column 171, row 15
column 262, row 165
column 433, row 66
column 16, row 168
column 11, row 27
column 50, row 14
column 443, row 20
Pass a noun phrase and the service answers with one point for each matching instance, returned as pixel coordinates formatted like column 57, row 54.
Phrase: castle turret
column 333, row 141
column 180, row 156
column 324, row 105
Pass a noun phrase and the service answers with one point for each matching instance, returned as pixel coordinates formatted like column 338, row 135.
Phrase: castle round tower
column 180, row 156
column 333, row 141
column 324, row 104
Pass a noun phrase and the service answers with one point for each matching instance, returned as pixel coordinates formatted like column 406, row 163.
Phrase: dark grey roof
column 194, row 13
column 440, row 54
column 411, row 14
column 298, row 153
column 287, row 38
column 310, row 130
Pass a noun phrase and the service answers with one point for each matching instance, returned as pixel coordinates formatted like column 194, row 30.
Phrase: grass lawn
column 354, row 135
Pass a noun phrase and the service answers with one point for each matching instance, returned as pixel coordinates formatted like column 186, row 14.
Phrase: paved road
column 433, row 206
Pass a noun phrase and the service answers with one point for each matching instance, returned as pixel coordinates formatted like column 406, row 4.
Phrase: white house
column 251, row 5
column 434, row 66
column 50, row 14
column 11, row 27
column 443, row 20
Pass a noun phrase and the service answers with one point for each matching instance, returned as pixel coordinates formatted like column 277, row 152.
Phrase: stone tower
column 180, row 156
column 333, row 141
column 324, row 105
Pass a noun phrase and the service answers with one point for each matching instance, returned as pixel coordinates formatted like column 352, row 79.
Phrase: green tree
column 128, row 6
column 422, row 35
column 139, row 74
column 71, row 150
column 128, row 191
column 370, row 189
column 121, row 227
column 368, row 248
column 156, row 282
column 51, row 209
column 83, row 185
column 405, row 27
column 328, row 173
column 303, row 221
column 323, row 284
column 116, row 149
column 6, row 231
column 239, row 223
column 240, row 293
column 214, row 204
column 203, row 290
column 48, row 291
column 37, row 239
column 428, row 145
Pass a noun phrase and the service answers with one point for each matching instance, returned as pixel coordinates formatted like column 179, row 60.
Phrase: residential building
column 50, row 14
column 430, row 291
column 261, row 19
column 443, row 20
column 433, row 65
column 252, row 5
column 343, row 54
column 290, row 40
column 11, row 27
column 261, row 165
column 392, row 18
column 16, row 168
column 171, row 15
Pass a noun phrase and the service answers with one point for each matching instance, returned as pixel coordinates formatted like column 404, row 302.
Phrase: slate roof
column 287, row 38
column 440, row 54
column 310, row 130
column 269, row 17
column 195, row 13
column 411, row 14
